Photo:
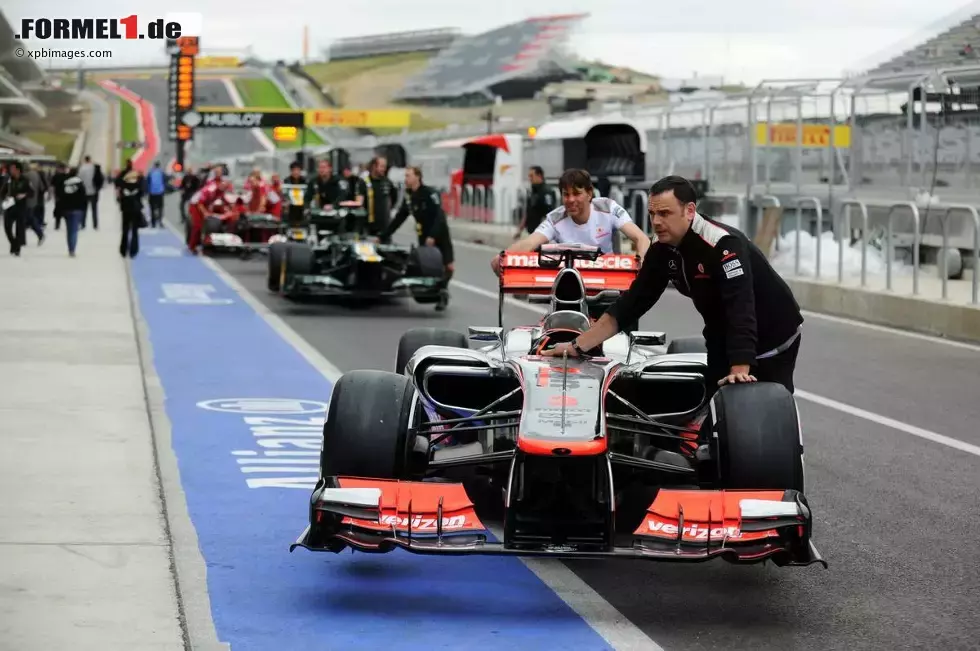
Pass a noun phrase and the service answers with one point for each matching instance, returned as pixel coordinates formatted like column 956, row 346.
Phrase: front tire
column 366, row 431
column 759, row 441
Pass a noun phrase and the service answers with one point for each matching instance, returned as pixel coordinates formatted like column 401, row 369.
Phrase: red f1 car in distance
column 618, row 454
column 234, row 229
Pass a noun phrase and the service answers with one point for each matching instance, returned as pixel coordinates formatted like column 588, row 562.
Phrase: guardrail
column 972, row 212
column 845, row 208
column 890, row 249
column 799, row 226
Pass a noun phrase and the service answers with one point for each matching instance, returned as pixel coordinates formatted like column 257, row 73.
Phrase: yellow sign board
column 218, row 62
column 284, row 133
column 814, row 135
column 358, row 119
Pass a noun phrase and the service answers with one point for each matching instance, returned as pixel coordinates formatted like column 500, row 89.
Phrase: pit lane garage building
column 16, row 72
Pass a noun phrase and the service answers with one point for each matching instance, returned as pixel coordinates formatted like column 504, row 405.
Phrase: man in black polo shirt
column 540, row 201
column 380, row 195
column 752, row 322
column 326, row 188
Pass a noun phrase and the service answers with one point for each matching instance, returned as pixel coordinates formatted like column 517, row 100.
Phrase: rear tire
column 759, row 442
column 212, row 225
column 366, row 431
column 687, row 345
column 416, row 338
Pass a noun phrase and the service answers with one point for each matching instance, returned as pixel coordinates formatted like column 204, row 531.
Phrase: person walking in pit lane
column 13, row 199
column 73, row 202
column 130, row 188
column 157, row 189
column 752, row 322
column 425, row 205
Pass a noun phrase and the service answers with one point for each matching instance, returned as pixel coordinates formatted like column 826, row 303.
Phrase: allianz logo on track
column 286, row 439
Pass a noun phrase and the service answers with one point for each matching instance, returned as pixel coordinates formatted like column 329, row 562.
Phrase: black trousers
column 156, row 209
column 129, row 244
column 778, row 368
column 14, row 227
column 93, row 205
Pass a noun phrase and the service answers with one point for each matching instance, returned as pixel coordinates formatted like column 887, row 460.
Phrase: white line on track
column 617, row 630
column 815, row 315
column 806, row 395
column 890, row 422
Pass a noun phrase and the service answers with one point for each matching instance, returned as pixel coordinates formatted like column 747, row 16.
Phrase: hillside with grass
column 371, row 82
column 259, row 92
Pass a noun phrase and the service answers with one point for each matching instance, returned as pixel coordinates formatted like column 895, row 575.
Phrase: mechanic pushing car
column 327, row 188
column 380, row 195
column 582, row 218
column 199, row 207
column 753, row 324
column 431, row 225
column 294, row 214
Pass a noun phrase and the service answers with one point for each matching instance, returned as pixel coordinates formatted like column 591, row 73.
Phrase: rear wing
column 520, row 273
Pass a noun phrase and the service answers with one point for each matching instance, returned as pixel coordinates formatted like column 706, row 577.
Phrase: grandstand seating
column 958, row 45
column 430, row 40
column 513, row 61
column 15, row 72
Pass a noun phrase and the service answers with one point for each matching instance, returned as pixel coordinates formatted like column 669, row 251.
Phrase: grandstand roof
column 956, row 45
column 474, row 64
column 22, row 69
column 414, row 41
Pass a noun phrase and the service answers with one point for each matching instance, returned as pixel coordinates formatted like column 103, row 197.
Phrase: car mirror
column 648, row 338
column 485, row 333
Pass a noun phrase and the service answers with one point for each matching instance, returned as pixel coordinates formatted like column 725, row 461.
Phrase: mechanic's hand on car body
column 562, row 349
column 739, row 373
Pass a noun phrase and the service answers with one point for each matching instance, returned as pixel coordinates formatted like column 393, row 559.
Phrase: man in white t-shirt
column 582, row 218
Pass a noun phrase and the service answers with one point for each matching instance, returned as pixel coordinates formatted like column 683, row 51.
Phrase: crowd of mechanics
column 206, row 193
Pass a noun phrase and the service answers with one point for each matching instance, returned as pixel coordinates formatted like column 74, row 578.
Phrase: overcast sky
column 742, row 41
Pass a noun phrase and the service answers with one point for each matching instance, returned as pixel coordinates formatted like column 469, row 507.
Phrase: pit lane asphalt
column 208, row 144
column 895, row 515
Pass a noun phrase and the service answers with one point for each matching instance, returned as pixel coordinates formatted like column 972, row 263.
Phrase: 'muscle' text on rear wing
column 520, row 273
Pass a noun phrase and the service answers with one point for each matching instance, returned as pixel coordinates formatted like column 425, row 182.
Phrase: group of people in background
column 26, row 188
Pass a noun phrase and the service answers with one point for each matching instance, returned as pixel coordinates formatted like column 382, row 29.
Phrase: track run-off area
column 892, row 460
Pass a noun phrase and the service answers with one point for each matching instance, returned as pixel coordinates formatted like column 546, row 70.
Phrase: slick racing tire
column 366, row 431
column 212, row 225
column 299, row 259
column 426, row 262
column 759, row 445
column 687, row 345
column 277, row 255
column 414, row 339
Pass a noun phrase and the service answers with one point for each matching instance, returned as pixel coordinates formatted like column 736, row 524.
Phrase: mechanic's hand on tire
column 737, row 374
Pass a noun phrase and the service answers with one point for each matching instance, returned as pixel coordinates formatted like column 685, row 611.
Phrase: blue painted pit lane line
column 246, row 411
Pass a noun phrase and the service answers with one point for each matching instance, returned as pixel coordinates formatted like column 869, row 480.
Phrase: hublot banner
column 243, row 119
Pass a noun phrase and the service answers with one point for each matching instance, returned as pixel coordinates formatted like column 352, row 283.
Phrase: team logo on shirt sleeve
column 732, row 268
